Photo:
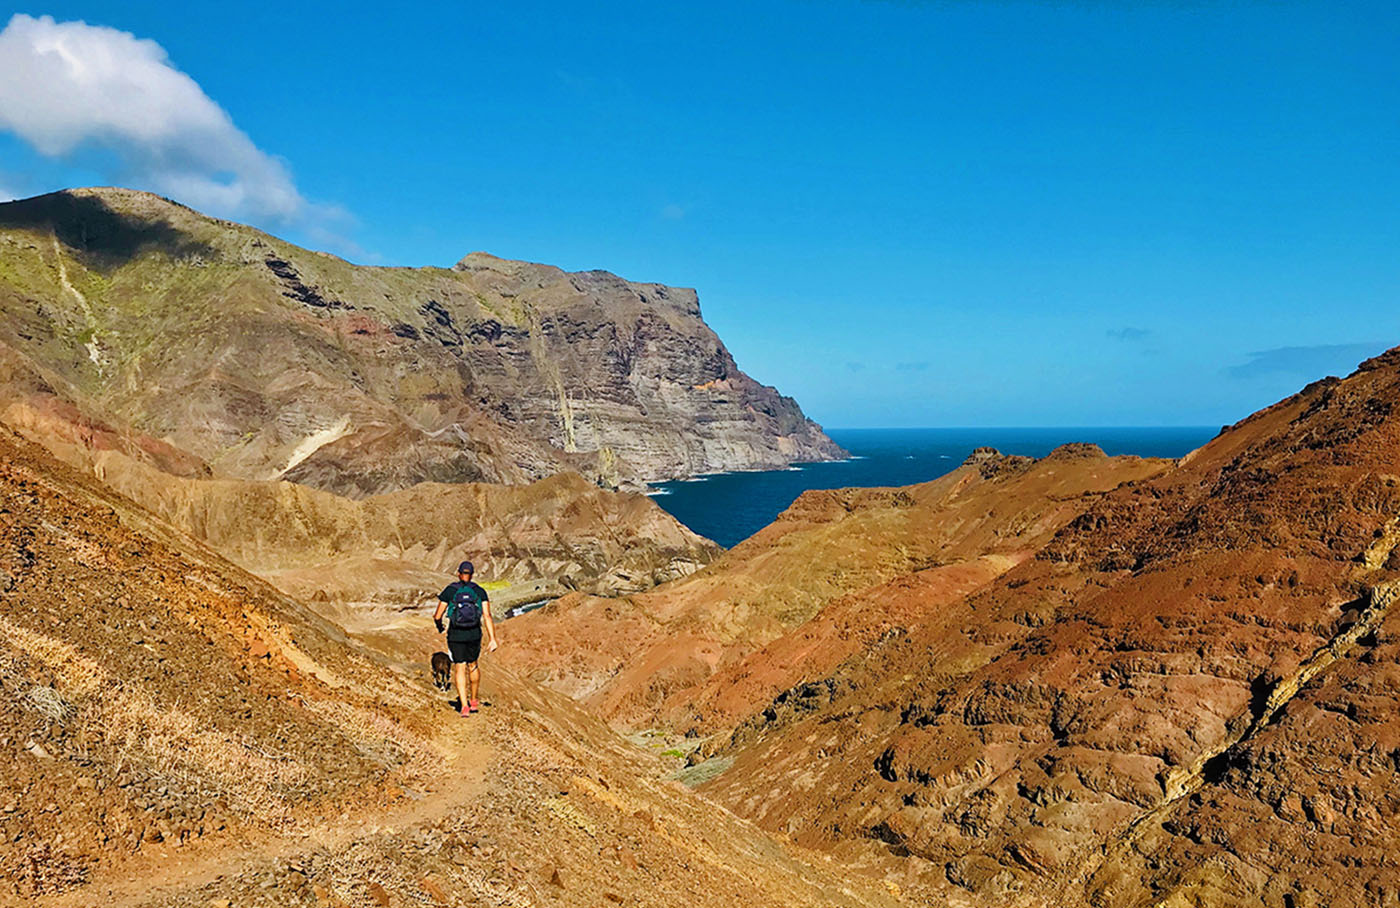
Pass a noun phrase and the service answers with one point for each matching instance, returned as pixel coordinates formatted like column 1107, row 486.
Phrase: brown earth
column 1187, row 697
column 177, row 732
column 828, row 578
column 265, row 361
column 542, row 538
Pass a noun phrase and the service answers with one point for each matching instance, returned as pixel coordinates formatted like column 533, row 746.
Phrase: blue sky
column 901, row 213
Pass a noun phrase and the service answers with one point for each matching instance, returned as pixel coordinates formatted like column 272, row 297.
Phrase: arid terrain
column 179, row 733
column 137, row 338
column 1183, row 692
column 231, row 471
column 806, row 592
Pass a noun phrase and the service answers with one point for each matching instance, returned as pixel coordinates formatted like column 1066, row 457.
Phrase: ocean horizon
column 730, row 507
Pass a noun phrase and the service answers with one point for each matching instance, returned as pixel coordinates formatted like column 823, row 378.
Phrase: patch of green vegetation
column 24, row 268
column 673, row 752
column 486, row 305
column 701, row 773
column 90, row 284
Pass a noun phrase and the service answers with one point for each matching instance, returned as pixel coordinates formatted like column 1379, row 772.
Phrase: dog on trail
column 442, row 670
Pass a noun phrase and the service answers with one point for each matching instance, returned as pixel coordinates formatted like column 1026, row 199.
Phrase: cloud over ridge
column 66, row 87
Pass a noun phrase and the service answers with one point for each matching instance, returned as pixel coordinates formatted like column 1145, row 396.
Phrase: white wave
column 655, row 492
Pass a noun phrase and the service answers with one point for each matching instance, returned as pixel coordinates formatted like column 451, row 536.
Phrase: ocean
column 729, row 507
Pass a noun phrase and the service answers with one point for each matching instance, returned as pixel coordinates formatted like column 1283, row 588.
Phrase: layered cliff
column 364, row 560
column 266, row 361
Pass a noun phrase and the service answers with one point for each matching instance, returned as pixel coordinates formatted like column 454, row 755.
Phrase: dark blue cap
column 465, row 568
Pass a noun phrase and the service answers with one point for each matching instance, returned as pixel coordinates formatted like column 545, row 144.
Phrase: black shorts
column 464, row 650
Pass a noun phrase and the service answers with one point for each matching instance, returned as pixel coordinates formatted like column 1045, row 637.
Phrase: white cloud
column 67, row 86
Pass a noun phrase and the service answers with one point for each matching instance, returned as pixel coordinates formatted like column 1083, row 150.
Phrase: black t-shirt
column 463, row 633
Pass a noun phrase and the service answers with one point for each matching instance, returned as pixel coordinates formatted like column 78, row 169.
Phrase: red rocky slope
column 1188, row 697
column 711, row 648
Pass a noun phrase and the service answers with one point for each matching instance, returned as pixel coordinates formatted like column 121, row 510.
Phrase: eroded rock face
column 268, row 361
column 1186, row 697
column 529, row 541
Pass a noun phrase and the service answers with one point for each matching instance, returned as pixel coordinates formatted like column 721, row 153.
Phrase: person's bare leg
column 474, row 674
column 459, row 677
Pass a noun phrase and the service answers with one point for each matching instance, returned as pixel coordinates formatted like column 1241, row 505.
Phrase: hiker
column 467, row 608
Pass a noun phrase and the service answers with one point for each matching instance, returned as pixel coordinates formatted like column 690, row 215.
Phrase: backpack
column 464, row 612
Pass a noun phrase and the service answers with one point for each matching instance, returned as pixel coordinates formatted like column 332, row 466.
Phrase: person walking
column 467, row 609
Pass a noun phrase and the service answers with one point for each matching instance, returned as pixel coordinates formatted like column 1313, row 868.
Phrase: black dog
column 442, row 670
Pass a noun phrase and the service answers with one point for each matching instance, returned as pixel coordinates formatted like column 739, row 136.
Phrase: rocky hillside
column 542, row 538
column 373, row 564
column 265, row 361
column 801, row 595
column 1188, row 696
column 177, row 733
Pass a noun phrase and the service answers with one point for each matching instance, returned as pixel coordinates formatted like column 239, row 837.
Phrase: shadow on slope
column 103, row 238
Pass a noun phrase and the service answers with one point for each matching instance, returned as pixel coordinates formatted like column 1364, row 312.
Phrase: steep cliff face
column 1187, row 697
column 267, row 361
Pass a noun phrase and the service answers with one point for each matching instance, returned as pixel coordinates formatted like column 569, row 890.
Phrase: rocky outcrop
column 1185, row 697
column 360, row 558
column 266, row 361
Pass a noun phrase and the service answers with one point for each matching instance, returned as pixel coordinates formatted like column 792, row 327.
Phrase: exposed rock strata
column 1187, row 697
column 552, row 535
column 266, row 361
column 358, row 558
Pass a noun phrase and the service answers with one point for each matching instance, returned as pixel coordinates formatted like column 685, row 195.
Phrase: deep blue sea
column 729, row 507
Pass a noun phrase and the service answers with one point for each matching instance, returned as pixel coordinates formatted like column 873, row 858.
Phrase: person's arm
column 490, row 626
column 437, row 615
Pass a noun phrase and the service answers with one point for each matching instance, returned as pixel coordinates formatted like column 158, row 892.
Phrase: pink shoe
column 466, row 712
column 474, row 706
